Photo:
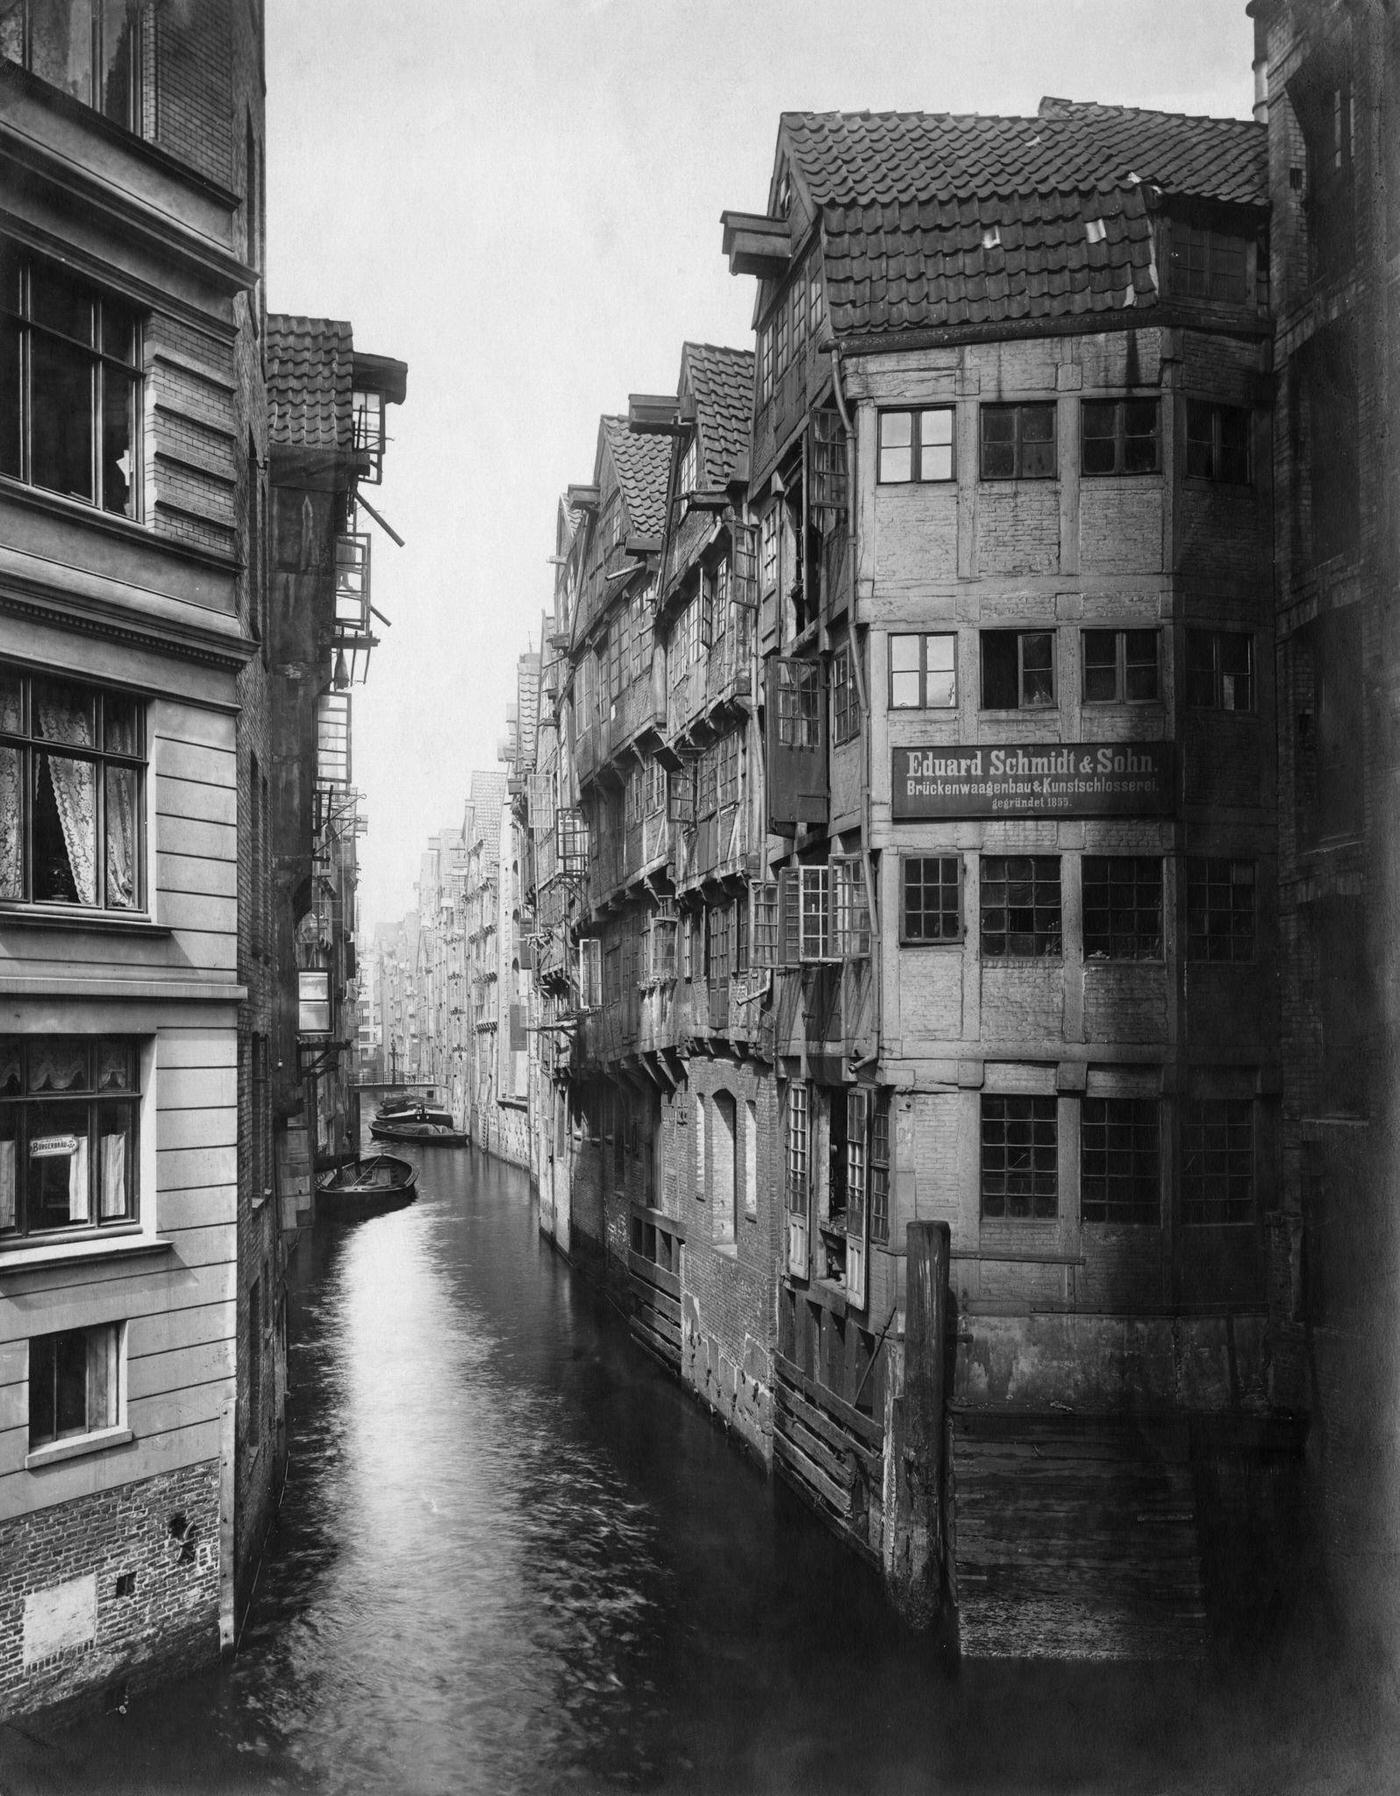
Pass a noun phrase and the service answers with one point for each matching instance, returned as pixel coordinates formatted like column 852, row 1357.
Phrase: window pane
column 121, row 725
column 998, row 442
column 12, row 30
column 62, row 52
column 122, row 855
column 940, row 683
column 904, row 691
column 61, row 416
column 10, row 413
column 119, row 50
column 1098, row 420
column 1200, row 440
column 1100, row 665
column 936, row 445
column 118, row 438
column 904, row 654
column 11, row 823
column 896, row 438
column 57, row 1171
column 1139, row 436
column 64, row 830
column 58, row 305
column 1000, row 673
column 1234, row 445
column 1037, row 668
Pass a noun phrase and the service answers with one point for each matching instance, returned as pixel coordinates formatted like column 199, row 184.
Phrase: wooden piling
column 916, row 1564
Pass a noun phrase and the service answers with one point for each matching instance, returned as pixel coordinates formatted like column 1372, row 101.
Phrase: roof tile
column 310, row 364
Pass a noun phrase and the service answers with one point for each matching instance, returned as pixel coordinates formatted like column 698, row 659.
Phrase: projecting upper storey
column 326, row 401
column 888, row 230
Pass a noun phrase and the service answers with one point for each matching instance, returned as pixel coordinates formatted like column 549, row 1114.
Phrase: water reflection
column 514, row 1557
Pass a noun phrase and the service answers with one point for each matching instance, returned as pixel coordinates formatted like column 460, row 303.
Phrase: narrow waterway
column 513, row 1556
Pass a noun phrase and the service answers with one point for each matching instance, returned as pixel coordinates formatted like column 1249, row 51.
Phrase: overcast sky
column 521, row 200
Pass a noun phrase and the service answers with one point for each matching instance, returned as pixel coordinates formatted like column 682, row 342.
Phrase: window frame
column 1023, row 703
column 1130, row 940
column 1037, row 873
column 910, row 937
column 29, row 747
column 27, row 1107
column 1101, row 1117
column 923, row 672
column 1205, row 875
column 1018, row 410
column 22, row 329
column 999, row 1112
column 1206, row 433
column 845, row 696
column 1196, row 263
column 1198, row 1118
column 1122, row 665
column 1198, row 674
column 109, row 1340
column 1120, row 436
column 916, row 448
column 135, row 115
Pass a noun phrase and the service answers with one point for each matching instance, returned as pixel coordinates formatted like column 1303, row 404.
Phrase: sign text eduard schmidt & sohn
column 1032, row 779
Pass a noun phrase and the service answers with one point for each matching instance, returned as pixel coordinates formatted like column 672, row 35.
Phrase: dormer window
column 1208, row 264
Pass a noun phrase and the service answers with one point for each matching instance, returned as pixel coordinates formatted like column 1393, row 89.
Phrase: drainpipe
column 857, row 660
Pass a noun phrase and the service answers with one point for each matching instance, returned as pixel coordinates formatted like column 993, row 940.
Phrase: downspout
column 858, row 661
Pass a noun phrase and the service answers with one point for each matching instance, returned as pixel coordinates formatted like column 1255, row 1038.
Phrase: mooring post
column 917, row 1562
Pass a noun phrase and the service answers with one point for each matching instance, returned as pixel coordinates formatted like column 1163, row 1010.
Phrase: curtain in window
column 121, row 838
column 78, row 1207
column 112, row 1201
column 57, row 1065
column 64, row 719
column 7, row 1184
column 11, row 823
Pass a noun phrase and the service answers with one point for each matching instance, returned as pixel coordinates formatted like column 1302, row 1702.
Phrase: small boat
column 378, row 1182
column 433, row 1128
column 402, row 1109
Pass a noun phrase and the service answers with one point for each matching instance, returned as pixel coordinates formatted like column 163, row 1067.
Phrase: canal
column 513, row 1556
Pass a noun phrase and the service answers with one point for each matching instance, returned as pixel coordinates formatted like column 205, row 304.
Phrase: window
column 769, row 534
column 852, row 922
column 717, row 942
column 814, row 936
column 1020, row 905
column 1019, row 1151
column 763, row 931
column 1122, row 907
column 1120, row 667
column 1325, row 104
column 70, row 385
column 845, row 706
column 799, row 704
column 314, row 1002
column 1119, row 1178
column 923, row 672
column 797, row 1146
column 765, row 363
column 690, row 465
column 1217, row 442
column 931, row 908
column 72, row 785
column 1207, row 264
column 68, row 1128
column 1219, row 909
column 93, row 50
column 1018, row 669
column 1018, row 442
column 880, row 1168
column 74, row 1384
column 917, row 446
column 1217, row 1161
column 1119, row 436
column 1220, row 669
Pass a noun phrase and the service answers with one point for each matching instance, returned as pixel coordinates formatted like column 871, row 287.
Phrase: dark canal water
column 514, row 1557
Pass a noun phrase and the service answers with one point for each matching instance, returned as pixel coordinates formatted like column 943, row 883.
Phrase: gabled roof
column 933, row 219
column 721, row 382
column 642, row 465
column 310, row 379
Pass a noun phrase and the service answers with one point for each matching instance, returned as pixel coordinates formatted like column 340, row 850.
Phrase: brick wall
column 195, row 66
column 163, row 1534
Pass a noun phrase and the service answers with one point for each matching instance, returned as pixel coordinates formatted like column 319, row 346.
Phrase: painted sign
column 1033, row 779
column 59, row 1619
column 42, row 1147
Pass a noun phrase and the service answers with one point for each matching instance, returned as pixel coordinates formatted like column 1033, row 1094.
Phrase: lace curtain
column 11, row 823
column 69, row 719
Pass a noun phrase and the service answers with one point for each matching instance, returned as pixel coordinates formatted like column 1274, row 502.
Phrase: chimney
column 1258, row 10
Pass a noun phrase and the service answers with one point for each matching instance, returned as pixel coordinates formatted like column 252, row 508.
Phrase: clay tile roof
column 721, row 381
column 908, row 200
column 642, row 465
column 310, row 364
column 488, row 794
